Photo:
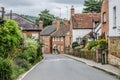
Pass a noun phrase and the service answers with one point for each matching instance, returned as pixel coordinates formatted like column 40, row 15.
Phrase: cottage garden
column 18, row 53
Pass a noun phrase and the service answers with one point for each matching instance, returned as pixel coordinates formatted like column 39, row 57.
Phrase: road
column 59, row 67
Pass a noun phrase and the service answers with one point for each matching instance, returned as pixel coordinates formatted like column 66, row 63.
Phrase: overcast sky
column 33, row 7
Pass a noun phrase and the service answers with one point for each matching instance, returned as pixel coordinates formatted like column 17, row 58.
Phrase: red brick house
column 61, row 37
column 105, row 17
column 27, row 27
column 46, row 38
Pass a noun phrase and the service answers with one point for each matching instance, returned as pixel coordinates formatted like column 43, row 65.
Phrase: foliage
column 6, row 69
column 103, row 43
column 75, row 44
column 91, row 44
column 92, row 6
column 31, row 18
column 46, row 17
column 10, row 36
column 22, row 63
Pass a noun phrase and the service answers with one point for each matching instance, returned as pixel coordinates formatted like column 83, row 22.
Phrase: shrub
column 29, row 54
column 75, row 44
column 91, row 44
column 22, row 63
column 10, row 36
column 6, row 69
column 103, row 44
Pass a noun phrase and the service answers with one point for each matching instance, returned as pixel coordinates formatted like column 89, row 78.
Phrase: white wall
column 98, row 30
column 80, row 33
column 114, row 32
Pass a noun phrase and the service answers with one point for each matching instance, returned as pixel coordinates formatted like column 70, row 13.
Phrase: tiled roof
column 85, row 20
column 61, row 31
column 48, row 30
column 23, row 23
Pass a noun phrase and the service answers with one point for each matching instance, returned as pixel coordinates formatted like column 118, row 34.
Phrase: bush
column 75, row 44
column 29, row 54
column 6, row 69
column 22, row 63
column 103, row 44
column 91, row 44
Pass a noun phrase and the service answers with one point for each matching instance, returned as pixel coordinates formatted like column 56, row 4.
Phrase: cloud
column 69, row 1
column 33, row 7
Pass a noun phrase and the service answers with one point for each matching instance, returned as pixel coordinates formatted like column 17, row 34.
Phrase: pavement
column 65, row 67
column 107, row 67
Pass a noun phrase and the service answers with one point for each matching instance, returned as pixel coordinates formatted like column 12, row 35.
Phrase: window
column 61, row 48
column 114, row 17
column 104, row 17
column 35, row 36
column 61, row 38
column 58, row 48
column 53, row 39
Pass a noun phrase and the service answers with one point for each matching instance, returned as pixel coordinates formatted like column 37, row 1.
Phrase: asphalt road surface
column 59, row 67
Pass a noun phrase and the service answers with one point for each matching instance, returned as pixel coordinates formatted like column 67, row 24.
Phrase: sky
column 34, row 7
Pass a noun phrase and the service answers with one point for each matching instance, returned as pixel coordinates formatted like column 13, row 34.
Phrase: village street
column 59, row 67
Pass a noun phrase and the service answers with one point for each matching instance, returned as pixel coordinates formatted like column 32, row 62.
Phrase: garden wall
column 114, row 51
column 91, row 55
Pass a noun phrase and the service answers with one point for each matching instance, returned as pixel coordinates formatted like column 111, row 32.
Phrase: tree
column 46, row 17
column 92, row 6
column 10, row 37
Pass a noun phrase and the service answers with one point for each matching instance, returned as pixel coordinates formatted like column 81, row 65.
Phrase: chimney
column 72, row 11
column 65, row 22
column 58, row 23
column 41, row 24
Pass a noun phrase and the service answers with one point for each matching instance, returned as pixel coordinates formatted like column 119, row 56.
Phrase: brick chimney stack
column 65, row 22
column 58, row 23
column 72, row 11
column 41, row 24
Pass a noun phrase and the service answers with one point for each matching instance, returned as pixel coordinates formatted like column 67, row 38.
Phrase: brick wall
column 104, row 9
column 114, row 51
column 60, row 44
column 46, row 44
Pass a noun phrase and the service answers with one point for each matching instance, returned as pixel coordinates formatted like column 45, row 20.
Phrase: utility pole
column 60, row 10
column 67, row 11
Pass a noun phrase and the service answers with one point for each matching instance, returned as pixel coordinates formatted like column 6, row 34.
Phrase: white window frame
column 104, row 17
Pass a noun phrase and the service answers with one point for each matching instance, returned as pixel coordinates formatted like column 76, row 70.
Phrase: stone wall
column 114, row 60
column 114, row 51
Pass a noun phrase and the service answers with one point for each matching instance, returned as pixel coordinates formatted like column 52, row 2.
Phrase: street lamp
column 2, row 15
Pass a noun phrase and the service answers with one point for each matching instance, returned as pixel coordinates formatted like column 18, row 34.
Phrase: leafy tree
column 46, row 17
column 92, row 6
column 10, row 36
